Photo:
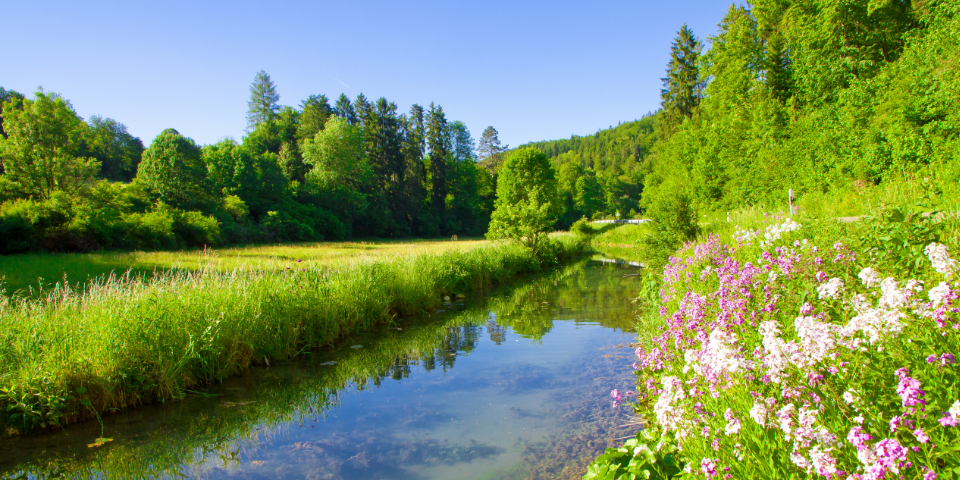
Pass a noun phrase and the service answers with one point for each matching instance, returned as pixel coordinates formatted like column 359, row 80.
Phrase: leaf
column 81, row 390
column 85, row 402
column 99, row 442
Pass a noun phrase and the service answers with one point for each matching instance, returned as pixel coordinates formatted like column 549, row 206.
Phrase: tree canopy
column 526, row 206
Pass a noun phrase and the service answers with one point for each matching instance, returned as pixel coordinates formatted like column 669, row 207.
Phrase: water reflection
column 528, row 399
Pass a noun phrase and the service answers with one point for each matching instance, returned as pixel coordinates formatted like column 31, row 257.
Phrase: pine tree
column 490, row 144
column 411, row 194
column 364, row 109
column 438, row 139
column 683, row 87
column 344, row 109
column 263, row 104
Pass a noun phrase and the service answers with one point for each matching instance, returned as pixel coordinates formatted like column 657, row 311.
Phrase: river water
column 511, row 384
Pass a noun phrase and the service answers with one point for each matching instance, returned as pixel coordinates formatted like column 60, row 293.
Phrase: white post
column 790, row 198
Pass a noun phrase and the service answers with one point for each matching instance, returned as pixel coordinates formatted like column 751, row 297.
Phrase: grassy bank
column 28, row 273
column 124, row 341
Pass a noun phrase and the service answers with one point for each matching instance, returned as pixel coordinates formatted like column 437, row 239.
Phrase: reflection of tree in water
column 497, row 332
column 459, row 339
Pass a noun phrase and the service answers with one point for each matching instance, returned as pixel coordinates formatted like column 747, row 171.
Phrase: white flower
column 858, row 419
column 773, row 232
column 851, row 397
column 872, row 323
column 937, row 294
column 823, row 463
column 733, row 423
column 939, row 256
column 869, row 277
column 831, row 288
column 816, row 339
column 955, row 409
column 759, row 413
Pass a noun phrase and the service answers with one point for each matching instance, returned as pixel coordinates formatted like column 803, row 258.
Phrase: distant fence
column 630, row 221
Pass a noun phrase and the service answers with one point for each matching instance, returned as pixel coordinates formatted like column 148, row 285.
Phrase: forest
column 814, row 96
column 357, row 168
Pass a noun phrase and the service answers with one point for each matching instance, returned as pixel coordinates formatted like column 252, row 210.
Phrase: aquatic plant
column 779, row 358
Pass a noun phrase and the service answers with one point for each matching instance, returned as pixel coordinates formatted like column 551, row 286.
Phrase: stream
column 514, row 383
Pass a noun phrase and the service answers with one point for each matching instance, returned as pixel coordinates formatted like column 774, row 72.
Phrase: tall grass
column 28, row 273
column 126, row 340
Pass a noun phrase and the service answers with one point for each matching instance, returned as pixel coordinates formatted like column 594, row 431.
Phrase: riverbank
column 126, row 341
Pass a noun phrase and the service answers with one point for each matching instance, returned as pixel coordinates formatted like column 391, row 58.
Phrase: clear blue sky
column 533, row 70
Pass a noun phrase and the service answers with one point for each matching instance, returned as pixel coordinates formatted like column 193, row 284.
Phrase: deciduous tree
column 41, row 153
column 526, row 205
column 173, row 170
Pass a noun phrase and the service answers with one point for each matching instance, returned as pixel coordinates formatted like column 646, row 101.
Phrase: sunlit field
column 28, row 273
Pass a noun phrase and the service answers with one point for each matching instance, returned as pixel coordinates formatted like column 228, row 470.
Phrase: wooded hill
column 810, row 95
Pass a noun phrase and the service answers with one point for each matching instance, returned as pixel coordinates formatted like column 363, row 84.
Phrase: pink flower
column 921, row 435
column 910, row 392
column 709, row 467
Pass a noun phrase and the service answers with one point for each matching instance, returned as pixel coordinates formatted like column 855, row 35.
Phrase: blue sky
column 534, row 70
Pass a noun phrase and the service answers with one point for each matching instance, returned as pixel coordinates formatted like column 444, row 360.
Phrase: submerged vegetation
column 126, row 340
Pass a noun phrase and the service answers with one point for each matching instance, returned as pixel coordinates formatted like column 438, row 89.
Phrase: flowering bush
column 785, row 359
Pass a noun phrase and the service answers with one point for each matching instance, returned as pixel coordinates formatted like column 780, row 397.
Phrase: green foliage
column 639, row 458
column 582, row 227
column 41, row 151
column 289, row 179
column 674, row 221
column 263, row 104
column 118, row 152
column 683, row 85
column 795, row 100
column 616, row 160
column 897, row 236
column 527, row 203
column 173, row 170
column 8, row 96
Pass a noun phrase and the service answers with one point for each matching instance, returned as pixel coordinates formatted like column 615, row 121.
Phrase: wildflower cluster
column 791, row 360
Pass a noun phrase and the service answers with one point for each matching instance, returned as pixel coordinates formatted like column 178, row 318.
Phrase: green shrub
column 674, row 221
column 582, row 227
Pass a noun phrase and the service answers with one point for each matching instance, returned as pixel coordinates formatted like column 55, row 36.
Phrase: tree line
column 356, row 168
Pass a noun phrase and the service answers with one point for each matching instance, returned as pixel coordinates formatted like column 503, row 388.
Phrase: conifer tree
column 490, row 144
column 263, row 104
column 344, row 109
column 438, row 139
column 411, row 193
column 683, row 87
